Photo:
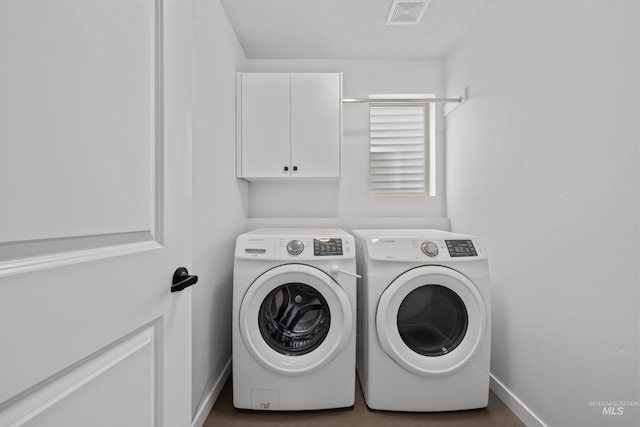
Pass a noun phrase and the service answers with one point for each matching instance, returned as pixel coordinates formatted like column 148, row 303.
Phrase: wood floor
column 224, row 414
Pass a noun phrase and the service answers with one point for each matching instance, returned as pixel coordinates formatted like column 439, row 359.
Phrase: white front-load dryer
column 424, row 327
column 294, row 319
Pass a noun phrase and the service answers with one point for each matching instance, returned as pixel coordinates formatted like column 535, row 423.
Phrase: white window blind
column 398, row 135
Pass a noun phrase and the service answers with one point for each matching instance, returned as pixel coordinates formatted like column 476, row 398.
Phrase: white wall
column 219, row 200
column 350, row 196
column 543, row 161
column 222, row 203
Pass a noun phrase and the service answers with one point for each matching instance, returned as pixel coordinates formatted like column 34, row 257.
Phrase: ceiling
column 347, row 29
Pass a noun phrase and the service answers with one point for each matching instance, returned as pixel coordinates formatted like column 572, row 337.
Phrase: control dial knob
column 429, row 248
column 295, row 247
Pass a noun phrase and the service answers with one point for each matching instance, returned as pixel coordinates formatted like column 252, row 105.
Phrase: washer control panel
column 429, row 248
column 299, row 246
column 295, row 247
column 308, row 248
column 327, row 246
column 322, row 246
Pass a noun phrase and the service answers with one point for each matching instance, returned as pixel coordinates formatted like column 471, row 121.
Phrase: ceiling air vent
column 406, row 12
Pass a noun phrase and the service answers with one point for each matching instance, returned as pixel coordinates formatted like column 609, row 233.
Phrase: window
column 399, row 148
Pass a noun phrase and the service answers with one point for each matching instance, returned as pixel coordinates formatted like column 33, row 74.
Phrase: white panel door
column 316, row 129
column 266, row 130
column 95, row 182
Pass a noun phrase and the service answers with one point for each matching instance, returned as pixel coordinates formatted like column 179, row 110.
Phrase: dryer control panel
column 449, row 248
column 461, row 248
column 424, row 248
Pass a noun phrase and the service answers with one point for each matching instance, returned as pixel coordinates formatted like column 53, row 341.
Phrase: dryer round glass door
column 294, row 319
column 431, row 320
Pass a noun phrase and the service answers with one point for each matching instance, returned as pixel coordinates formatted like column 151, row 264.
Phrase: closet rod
column 396, row 100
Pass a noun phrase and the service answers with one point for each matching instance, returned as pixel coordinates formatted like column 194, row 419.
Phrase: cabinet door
column 266, row 132
column 316, row 128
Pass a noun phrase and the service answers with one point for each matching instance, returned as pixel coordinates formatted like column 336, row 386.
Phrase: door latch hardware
column 182, row 279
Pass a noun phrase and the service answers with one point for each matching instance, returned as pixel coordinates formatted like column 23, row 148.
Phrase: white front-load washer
column 424, row 327
column 294, row 319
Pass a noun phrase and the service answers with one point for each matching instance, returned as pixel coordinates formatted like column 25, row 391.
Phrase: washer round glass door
column 431, row 320
column 294, row 319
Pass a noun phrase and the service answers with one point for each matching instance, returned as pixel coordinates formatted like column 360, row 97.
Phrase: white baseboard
column 516, row 405
column 510, row 400
column 211, row 393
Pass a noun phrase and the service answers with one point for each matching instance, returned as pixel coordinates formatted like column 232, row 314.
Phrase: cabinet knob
column 295, row 168
column 286, row 168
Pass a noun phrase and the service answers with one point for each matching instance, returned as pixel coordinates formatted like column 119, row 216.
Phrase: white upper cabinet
column 264, row 137
column 289, row 126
